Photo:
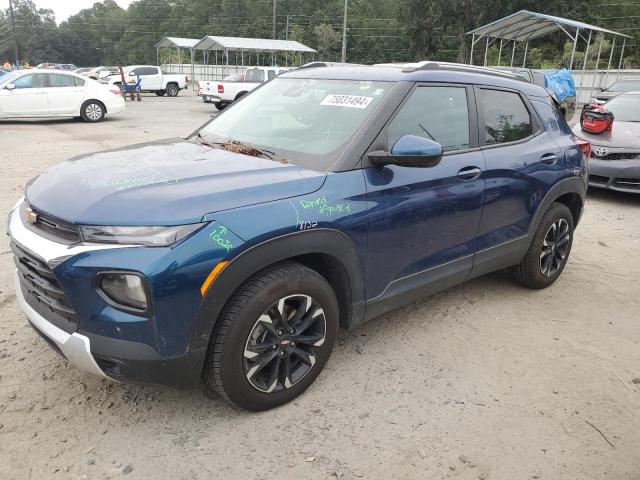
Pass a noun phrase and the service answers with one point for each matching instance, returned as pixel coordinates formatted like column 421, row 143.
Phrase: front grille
column 42, row 290
column 628, row 183
column 49, row 226
column 598, row 179
column 618, row 156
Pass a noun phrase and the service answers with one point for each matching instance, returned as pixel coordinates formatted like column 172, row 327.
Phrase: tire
column 92, row 111
column 160, row 93
column 220, row 106
column 549, row 250
column 172, row 90
column 251, row 348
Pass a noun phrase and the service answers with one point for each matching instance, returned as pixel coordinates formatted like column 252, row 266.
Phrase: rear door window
column 57, row 80
column 505, row 117
column 438, row 113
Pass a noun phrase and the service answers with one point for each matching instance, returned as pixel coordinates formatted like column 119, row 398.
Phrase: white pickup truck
column 151, row 80
column 223, row 93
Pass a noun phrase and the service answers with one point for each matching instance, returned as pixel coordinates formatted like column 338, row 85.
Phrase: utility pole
column 13, row 33
column 344, row 32
column 274, row 19
column 286, row 32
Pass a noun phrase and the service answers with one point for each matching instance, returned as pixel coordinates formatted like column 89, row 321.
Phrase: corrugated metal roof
column 177, row 42
column 525, row 25
column 261, row 44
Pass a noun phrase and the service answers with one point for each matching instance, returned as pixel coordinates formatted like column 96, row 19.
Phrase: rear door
column 423, row 221
column 65, row 94
column 29, row 97
column 522, row 163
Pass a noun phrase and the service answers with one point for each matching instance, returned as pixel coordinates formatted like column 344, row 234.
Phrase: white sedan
column 47, row 93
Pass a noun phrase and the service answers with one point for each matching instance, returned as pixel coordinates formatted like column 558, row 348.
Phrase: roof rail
column 317, row 64
column 460, row 67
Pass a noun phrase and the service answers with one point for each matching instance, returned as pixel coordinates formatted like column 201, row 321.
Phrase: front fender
column 324, row 241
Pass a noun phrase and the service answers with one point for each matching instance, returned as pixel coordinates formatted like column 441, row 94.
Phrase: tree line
column 378, row 30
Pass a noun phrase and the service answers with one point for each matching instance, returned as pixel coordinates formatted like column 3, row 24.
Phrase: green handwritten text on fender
column 219, row 237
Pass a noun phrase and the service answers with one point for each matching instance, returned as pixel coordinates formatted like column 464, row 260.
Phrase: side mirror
column 10, row 86
column 410, row 151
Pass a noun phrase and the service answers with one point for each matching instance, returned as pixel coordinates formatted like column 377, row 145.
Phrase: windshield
column 625, row 86
column 308, row 122
column 625, row 108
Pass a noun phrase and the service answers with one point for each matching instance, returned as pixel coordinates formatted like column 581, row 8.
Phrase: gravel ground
column 485, row 381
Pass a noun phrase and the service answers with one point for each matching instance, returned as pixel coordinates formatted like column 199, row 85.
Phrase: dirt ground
column 485, row 381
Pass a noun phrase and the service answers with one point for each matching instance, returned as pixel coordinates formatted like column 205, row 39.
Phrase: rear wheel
column 92, row 111
column 549, row 250
column 172, row 90
column 273, row 338
column 220, row 106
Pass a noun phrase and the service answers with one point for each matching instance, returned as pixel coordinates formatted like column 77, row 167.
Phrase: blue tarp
column 561, row 83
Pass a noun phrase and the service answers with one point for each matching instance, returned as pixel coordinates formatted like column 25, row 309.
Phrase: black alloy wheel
column 283, row 344
column 555, row 247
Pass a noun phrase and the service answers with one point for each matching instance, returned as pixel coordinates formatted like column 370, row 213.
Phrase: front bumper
column 75, row 347
column 619, row 175
column 105, row 341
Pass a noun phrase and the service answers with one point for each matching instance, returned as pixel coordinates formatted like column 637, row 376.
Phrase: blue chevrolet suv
column 326, row 197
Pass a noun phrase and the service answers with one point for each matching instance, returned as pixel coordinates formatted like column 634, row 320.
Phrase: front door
column 28, row 98
column 424, row 221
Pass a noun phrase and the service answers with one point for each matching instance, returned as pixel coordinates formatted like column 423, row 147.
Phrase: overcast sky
column 65, row 8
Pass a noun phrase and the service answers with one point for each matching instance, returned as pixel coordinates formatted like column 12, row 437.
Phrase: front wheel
column 92, row 111
column 172, row 90
column 549, row 250
column 273, row 338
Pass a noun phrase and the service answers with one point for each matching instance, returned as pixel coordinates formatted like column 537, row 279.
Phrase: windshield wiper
column 235, row 146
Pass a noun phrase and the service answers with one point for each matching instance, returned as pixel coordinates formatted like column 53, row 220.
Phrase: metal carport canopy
column 525, row 25
column 259, row 44
column 177, row 42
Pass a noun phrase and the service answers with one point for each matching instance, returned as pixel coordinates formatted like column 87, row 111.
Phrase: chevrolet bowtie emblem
column 32, row 217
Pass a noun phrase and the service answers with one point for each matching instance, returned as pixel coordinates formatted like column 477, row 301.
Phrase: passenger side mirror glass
column 410, row 151
column 10, row 86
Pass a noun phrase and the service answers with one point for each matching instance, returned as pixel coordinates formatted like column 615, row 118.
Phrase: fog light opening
column 125, row 289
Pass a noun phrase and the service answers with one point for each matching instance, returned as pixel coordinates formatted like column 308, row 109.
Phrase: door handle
column 549, row 159
column 469, row 173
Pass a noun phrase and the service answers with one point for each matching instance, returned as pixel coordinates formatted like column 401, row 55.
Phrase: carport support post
column 500, row 52
column 606, row 76
column 595, row 72
column 575, row 45
column 486, row 51
column 473, row 42
column 513, row 52
column 158, row 56
column 624, row 42
column 526, row 49
column 584, row 67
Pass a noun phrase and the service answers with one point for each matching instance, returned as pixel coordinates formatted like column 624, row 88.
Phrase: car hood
column 170, row 182
column 622, row 135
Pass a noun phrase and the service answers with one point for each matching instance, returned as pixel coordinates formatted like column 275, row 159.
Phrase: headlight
column 151, row 236
column 125, row 289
